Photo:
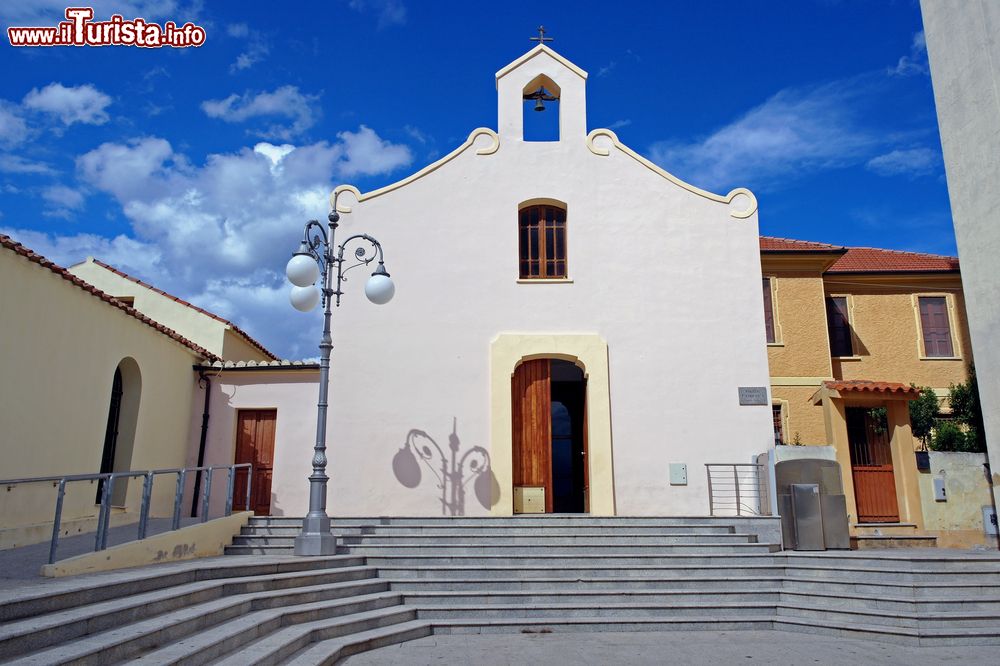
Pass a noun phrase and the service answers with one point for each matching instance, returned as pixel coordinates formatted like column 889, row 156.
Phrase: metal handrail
column 109, row 478
column 729, row 485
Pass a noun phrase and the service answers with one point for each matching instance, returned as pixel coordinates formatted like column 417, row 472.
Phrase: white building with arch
column 508, row 255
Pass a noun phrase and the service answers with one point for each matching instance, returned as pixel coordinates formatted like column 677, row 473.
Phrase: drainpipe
column 204, row 381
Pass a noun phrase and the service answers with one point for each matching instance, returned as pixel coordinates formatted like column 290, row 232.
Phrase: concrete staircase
column 404, row 578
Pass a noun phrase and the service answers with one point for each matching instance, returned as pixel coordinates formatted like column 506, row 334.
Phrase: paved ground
column 779, row 648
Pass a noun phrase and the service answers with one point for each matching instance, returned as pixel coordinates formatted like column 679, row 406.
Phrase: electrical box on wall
column 939, row 492
column 529, row 499
column 678, row 474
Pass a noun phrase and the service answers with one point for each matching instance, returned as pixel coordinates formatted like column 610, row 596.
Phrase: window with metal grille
column 542, row 242
column 839, row 326
column 935, row 326
column 768, row 311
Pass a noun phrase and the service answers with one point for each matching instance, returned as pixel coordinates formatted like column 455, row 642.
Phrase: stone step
column 41, row 631
column 332, row 650
column 928, row 562
column 276, row 647
column 34, row 601
column 609, row 582
column 489, row 530
column 542, row 560
column 917, row 591
column 563, row 550
column 474, row 541
column 623, row 539
column 511, row 540
column 617, row 611
column 602, row 598
column 528, row 520
column 864, row 616
column 128, row 640
column 873, row 541
column 361, row 613
column 504, row 569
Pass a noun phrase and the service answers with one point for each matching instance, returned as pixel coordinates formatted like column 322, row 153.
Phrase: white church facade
column 568, row 317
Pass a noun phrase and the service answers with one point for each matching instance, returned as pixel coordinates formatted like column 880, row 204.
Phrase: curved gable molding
column 430, row 168
column 741, row 201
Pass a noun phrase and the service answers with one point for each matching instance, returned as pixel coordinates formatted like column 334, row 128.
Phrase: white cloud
column 916, row 61
column 80, row 104
column 64, row 197
column 237, row 30
column 286, row 102
column 13, row 129
column 17, row 164
column 620, row 123
column 221, row 232
column 366, row 153
column 390, row 12
column 794, row 132
column 123, row 252
column 908, row 162
column 256, row 49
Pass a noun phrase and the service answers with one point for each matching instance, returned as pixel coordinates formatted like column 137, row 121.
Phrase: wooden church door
column 255, row 445
column 531, row 403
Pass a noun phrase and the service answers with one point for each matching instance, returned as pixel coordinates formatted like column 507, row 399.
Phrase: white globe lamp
column 304, row 299
column 302, row 270
column 379, row 289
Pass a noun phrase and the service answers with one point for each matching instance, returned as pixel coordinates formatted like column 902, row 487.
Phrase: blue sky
column 196, row 168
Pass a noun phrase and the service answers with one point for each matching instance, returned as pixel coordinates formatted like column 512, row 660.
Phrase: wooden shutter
column 531, row 402
column 838, row 325
column 936, row 327
column 768, row 311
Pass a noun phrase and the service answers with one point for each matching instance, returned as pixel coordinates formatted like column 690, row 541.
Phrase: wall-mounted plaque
column 753, row 395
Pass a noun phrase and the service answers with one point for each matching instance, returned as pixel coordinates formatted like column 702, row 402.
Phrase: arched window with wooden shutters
column 542, row 242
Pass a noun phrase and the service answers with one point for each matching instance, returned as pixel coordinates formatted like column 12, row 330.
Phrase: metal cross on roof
column 541, row 39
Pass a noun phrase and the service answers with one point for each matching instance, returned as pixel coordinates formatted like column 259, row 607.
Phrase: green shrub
column 949, row 436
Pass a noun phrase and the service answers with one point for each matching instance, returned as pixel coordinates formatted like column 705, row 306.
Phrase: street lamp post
column 319, row 258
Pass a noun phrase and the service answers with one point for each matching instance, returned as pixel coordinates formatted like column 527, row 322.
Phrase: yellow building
column 95, row 379
column 848, row 331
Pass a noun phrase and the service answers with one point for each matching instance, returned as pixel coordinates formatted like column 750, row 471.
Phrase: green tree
column 923, row 413
column 968, row 411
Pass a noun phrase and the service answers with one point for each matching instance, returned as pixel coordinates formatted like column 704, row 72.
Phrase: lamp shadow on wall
column 453, row 472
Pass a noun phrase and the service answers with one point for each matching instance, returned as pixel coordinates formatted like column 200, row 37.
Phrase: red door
column 871, row 467
column 255, row 445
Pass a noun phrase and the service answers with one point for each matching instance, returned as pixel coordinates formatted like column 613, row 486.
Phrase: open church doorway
column 549, row 400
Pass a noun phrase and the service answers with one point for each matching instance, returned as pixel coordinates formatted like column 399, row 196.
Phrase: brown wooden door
column 871, row 468
column 255, row 445
column 531, row 402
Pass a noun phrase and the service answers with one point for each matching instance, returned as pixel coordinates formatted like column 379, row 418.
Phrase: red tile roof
column 875, row 260
column 866, row 259
column 772, row 244
column 181, row 301
column 866, row 386
column 12, row 245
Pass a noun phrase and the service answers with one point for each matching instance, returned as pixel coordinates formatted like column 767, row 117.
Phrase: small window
column 542, row 242
column 936, row 327
column 768, row 311
column 779, row 435
column 839, row 326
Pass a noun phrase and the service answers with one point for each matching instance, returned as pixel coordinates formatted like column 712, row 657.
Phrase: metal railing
column 738, row 490
column 108, row 480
